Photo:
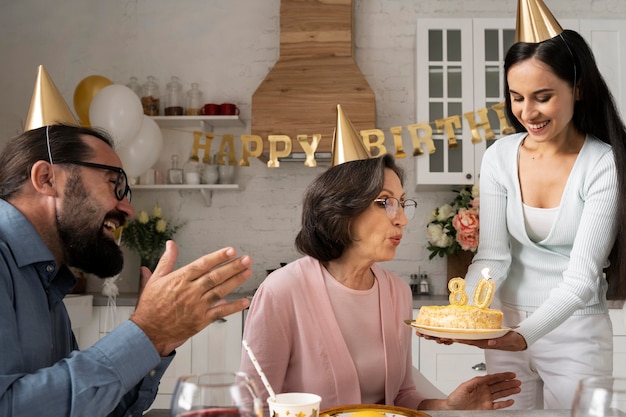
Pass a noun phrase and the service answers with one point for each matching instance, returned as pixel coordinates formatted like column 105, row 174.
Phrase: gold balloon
column 85, row 91
column 47, row 106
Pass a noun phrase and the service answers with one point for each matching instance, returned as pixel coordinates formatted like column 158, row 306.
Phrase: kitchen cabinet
column 216, row 348
column 446, row 366
column 459, row 72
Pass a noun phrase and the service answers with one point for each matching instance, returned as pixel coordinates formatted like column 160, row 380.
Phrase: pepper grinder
column 424, row 286
column 414, row 284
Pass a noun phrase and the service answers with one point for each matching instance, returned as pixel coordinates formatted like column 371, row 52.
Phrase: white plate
column 461, row 334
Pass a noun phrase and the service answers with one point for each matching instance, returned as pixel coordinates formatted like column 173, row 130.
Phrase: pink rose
column 468, row 242
column 466, row 224
column 466, row 221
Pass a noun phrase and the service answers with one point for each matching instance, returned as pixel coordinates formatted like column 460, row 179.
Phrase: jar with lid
column 192, row 170
column 174, row 174
column 173, row 98
column 135, row 86
column 151, row 97
column 194, row 100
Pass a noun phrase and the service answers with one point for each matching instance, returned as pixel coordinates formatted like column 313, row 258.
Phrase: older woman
column 331, row 323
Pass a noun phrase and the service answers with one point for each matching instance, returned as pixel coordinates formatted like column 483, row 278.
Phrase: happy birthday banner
column 421, row 136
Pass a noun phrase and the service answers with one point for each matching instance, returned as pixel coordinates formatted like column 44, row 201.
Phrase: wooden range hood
column 315, row 72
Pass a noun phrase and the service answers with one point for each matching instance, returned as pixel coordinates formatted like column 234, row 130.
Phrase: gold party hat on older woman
column 47, row 106
column 347, row 143
column 535, row 22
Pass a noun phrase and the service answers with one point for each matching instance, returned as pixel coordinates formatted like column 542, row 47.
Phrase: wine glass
column 223, row 394
column 600, row 396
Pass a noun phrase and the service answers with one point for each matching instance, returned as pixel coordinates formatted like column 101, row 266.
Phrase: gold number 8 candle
column 483, row 293
column 457, row 292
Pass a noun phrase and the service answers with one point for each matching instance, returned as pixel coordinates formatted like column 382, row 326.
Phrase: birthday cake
column 459, row 315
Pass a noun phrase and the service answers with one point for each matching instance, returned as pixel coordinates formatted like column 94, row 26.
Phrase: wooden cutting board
column 315, row 72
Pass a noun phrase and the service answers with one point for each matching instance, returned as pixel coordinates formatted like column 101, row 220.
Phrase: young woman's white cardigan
column 561, row 275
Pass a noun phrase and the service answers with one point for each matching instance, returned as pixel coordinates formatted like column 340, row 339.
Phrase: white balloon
column 117, row 109
column 143, row 151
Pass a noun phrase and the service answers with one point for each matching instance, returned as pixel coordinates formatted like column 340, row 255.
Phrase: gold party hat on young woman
column 47, row 106
column 535, row 22
column 347, row 143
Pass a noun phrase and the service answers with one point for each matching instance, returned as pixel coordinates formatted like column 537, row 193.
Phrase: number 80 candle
column 483, row 294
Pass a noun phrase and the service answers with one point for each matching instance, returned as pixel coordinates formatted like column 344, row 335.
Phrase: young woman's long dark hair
column 571, row 59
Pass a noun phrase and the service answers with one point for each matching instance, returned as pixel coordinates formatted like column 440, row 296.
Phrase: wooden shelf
column 198, row 121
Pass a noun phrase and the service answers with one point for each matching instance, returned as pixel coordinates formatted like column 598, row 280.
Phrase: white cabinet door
column 217, row 348
column 446, row 366
column 444, row 90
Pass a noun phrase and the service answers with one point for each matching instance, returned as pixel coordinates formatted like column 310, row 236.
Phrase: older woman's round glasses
column 122, row 189
column 392, row 205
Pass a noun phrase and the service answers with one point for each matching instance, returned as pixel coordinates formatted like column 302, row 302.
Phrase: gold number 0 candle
column 457, row 291
column 483, row 294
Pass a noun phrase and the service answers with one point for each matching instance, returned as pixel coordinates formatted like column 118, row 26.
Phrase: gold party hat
column 347, row 143
column 535, row 22
column 47, row 106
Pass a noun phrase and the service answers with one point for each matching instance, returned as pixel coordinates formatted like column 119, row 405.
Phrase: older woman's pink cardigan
column 295, row 337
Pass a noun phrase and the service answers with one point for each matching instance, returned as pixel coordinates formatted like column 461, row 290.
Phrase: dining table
column 456, row 413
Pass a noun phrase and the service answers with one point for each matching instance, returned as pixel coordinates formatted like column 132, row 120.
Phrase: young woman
column 553, row 215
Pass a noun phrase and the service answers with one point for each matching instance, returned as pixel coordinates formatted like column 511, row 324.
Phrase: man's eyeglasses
column 392, row 205
column 122, row 189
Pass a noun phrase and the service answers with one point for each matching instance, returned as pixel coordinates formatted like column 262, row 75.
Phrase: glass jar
column 210, row 175
column 174, row 174
column 135, row 86
column 194, row 101
column 173, row 98
column 192, row 170
column 151, row 97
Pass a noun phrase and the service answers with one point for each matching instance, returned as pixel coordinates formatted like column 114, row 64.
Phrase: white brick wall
column 228, row 46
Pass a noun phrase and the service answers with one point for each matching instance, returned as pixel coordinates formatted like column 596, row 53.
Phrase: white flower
column 437, row 236
column 445, row 212
column 475, row 190
column 143, row 217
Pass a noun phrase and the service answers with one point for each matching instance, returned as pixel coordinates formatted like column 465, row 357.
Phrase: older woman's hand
column 482, row 392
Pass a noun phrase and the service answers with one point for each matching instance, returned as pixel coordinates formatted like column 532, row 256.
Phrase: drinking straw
column 257, row 366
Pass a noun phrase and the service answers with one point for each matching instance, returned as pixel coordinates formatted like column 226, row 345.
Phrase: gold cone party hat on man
column 47, row 106
column 535, row 22
column 347, row 143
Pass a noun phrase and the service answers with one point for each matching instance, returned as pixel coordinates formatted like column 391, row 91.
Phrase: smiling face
column 375, row 236
column 88, row 214
column 541, row 101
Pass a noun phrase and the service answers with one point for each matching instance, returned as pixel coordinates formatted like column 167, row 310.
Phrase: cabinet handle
column 480, row 367
column 468, row 176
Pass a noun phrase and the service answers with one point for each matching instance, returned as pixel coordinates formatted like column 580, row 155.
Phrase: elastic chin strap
column 50, row 158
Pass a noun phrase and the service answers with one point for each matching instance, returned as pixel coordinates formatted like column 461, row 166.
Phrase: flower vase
column 458, row 263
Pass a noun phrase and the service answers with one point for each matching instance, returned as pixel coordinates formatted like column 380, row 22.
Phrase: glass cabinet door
column 444, row 91
column 459, row 71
